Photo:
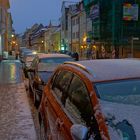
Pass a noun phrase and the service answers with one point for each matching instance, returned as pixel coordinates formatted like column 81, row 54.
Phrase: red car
column 92, row 100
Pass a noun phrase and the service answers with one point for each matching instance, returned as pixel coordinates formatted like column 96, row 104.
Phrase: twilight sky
column 25, row 13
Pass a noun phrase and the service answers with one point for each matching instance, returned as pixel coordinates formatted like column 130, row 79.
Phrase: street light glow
column 84, row 39
column 12, row 35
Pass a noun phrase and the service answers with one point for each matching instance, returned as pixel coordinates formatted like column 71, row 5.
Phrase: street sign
column 135, row 38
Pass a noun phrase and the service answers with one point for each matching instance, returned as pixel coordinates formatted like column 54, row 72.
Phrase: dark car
column 40, row 71
column 92, row 100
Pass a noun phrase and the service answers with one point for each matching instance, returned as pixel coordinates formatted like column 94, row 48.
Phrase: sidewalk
column 16, row 122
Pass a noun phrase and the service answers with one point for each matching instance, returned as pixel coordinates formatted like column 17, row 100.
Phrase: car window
column 78, row 102
column 35, row 62
column 61, row 84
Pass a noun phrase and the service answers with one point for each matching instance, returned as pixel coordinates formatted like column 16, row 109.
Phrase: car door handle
column 59, row 123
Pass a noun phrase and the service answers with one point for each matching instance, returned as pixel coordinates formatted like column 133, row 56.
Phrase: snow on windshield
column 47, row 66
column 124, row 91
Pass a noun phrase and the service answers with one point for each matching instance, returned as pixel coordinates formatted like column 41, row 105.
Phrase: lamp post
column 132, row 45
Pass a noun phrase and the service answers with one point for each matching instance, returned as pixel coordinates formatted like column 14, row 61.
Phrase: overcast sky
column 25, row 13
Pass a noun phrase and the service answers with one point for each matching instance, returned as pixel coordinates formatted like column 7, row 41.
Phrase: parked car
column 26, row 62
column 23, row 52
column 92, row 100
column 40, row 71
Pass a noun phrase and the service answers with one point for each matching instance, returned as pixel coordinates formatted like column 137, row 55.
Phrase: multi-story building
column 36, row 38
column 78, row 27
column 30, row 37
column 64, row 26
column 115, row 26
column 55, row 39
column 10, row 31
column 4, row 6
column 52, row 38
column 74, row 28
column 42, row 38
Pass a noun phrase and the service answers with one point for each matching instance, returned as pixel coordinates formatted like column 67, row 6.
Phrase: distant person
column 75, row 55
column 17, row 54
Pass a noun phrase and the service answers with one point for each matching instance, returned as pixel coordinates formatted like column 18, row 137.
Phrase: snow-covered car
column 92, row 100
column 41, row 70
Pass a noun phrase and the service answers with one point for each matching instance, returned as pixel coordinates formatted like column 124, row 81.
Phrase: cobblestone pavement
column 16, row 121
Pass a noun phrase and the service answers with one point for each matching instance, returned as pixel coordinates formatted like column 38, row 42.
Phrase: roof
column 110, row 69
column 43, row 55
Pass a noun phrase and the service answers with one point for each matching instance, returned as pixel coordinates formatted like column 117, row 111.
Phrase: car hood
column 123, row 120
column 45, row 75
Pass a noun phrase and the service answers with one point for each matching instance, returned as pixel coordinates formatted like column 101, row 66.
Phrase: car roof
column 108, row 69
column 43, row 55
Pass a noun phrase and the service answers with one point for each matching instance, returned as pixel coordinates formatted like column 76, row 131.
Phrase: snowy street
column 15, row 114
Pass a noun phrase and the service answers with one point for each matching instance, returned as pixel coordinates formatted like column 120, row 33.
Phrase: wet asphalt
column 10, row 72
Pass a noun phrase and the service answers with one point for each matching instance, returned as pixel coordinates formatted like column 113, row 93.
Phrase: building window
column 0, row 14
column 77, row 20
column 77, row 34
column 73, row 35
column 73, row 22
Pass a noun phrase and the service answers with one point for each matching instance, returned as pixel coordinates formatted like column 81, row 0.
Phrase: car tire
column 42, row 131
column 36, row 102
column 30, row 90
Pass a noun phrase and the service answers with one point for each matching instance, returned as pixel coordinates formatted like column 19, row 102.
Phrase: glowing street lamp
column 84, row 39
column 12, row 35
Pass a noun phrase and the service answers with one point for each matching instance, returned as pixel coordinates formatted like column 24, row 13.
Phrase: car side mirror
column 79, row 132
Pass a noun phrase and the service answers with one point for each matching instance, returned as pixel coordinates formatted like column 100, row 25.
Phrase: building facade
column 78, row 28
column 52, row 38
column 4, row 6
column 10, row 31
column 115, row 26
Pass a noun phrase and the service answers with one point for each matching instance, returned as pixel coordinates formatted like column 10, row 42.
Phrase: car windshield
column 56, row 60
column 124, row 91
column 49, row 64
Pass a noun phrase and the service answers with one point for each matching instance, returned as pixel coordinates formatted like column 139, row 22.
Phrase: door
column 56, row 120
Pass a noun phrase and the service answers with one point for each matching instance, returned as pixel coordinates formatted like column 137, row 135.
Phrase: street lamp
column 132, row 45
column 12, row 35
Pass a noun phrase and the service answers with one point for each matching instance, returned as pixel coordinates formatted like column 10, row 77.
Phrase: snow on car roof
column 111, row 69
column 43, row 55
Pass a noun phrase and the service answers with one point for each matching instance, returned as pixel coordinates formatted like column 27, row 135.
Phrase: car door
column 70, row 104
column 79, row 107
column 54, row 106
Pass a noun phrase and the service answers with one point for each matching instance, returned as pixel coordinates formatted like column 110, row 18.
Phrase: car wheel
column 36, row 102
column 42, row 131
column 45, row 133
column 30, row 90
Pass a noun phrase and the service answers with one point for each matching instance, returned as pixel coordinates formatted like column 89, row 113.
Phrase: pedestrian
column 75, row 56
column 17, row 54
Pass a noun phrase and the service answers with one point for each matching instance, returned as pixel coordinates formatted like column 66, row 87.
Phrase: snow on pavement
column 16, row 122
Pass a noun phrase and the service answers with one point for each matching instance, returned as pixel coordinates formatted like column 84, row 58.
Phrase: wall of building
column 4, row 6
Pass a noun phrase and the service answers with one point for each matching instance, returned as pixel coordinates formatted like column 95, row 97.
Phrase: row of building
column 6, row 29
column 97, row 28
